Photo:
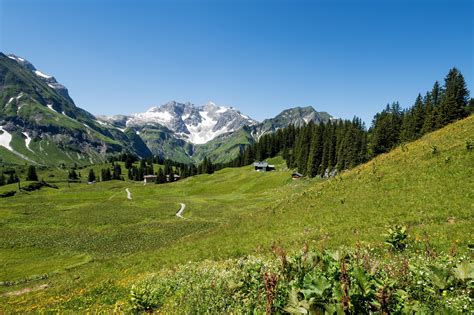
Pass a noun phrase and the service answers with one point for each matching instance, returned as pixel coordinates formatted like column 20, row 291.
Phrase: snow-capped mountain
column 194, row 124
column 185, row 132
column 39, row 122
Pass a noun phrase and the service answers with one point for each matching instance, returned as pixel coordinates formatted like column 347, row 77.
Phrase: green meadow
column 82, row 247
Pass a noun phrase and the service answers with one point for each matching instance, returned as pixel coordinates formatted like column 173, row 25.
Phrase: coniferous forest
column 324, row 149
column 327, row 148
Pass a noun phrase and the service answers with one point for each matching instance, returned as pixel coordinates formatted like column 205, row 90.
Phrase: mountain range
column 40, row 123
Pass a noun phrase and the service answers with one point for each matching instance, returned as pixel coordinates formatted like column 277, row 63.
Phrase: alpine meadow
column 270, row 207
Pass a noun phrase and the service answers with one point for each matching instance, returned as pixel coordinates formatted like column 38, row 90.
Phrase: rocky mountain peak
column 194, row 124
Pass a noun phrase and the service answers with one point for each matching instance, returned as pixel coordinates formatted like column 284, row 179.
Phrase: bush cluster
column 345, row 281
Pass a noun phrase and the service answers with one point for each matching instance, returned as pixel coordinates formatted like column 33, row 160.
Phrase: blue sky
column 344, row 57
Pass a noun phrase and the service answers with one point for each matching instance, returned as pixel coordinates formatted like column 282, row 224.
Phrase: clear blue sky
column 344, row 57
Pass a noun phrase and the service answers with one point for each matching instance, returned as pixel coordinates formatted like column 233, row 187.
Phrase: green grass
column 224, row 148
column 93, row 243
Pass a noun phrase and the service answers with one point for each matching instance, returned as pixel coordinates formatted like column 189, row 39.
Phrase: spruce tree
column 316, row 151
column 470, row 107
column 160, row 176
column 117, row 171
column 302, row 149
column 106, row 175
column 73, row 175
column 31, row 173
column 11, row 179
column 419, row 113
column 386, row 129
column 407, row 129
column 454, row 103
column 91, row 177
column 436, row 94
column 430, row 119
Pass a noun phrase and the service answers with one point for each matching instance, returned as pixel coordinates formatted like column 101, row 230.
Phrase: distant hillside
column 187, row 133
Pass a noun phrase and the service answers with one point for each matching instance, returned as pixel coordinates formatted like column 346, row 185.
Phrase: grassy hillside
column 89, row 243
column 224, row 148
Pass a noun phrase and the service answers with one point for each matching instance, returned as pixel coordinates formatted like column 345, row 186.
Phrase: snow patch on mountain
column 191, row 123
column 10, row 100
column 203, row 132
column 153, row 115
column 41, row 74
column 5, row 139
column 27, row 141
column 16, row 58
column 50, row 106
column 13, row 98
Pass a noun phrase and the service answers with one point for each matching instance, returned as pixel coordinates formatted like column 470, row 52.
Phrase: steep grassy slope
column 92, row 243
column 225, row 147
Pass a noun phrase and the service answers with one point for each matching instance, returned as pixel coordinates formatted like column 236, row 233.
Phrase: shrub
column 469, row 145
column 37, row 186
column 396, row 237
column 8, row 194
column 353, row 281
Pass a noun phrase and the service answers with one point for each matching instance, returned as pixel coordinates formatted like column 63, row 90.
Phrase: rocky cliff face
column 194, row 124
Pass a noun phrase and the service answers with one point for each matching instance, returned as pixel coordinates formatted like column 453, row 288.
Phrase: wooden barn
column 263, row 166
column 149, row 179
column 296, row 175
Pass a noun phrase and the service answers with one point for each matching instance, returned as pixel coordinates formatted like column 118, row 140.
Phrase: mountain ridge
column 37, row 116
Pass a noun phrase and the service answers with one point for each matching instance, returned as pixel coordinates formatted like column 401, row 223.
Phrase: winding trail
column 26, row 290
column 179, row 214
column 129, row 194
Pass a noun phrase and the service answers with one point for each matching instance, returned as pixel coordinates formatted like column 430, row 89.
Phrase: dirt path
column 129, row 194
column 179, row 214
column 110, row 198
column 26, row 290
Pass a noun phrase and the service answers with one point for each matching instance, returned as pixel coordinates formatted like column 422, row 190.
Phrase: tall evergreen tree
column 316, row 151
column 31, row 173
column 470, row 107
column 419, row 114
column 302, row 148
column 430, row 118
column 13, row 178
column 73, row 175
column 455, row 100
column 105, row 174
column 161, row 177
column 386, row 129
column 407, row 128
column 91, row 177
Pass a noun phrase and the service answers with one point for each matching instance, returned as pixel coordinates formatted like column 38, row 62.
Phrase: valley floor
column 85, row 245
